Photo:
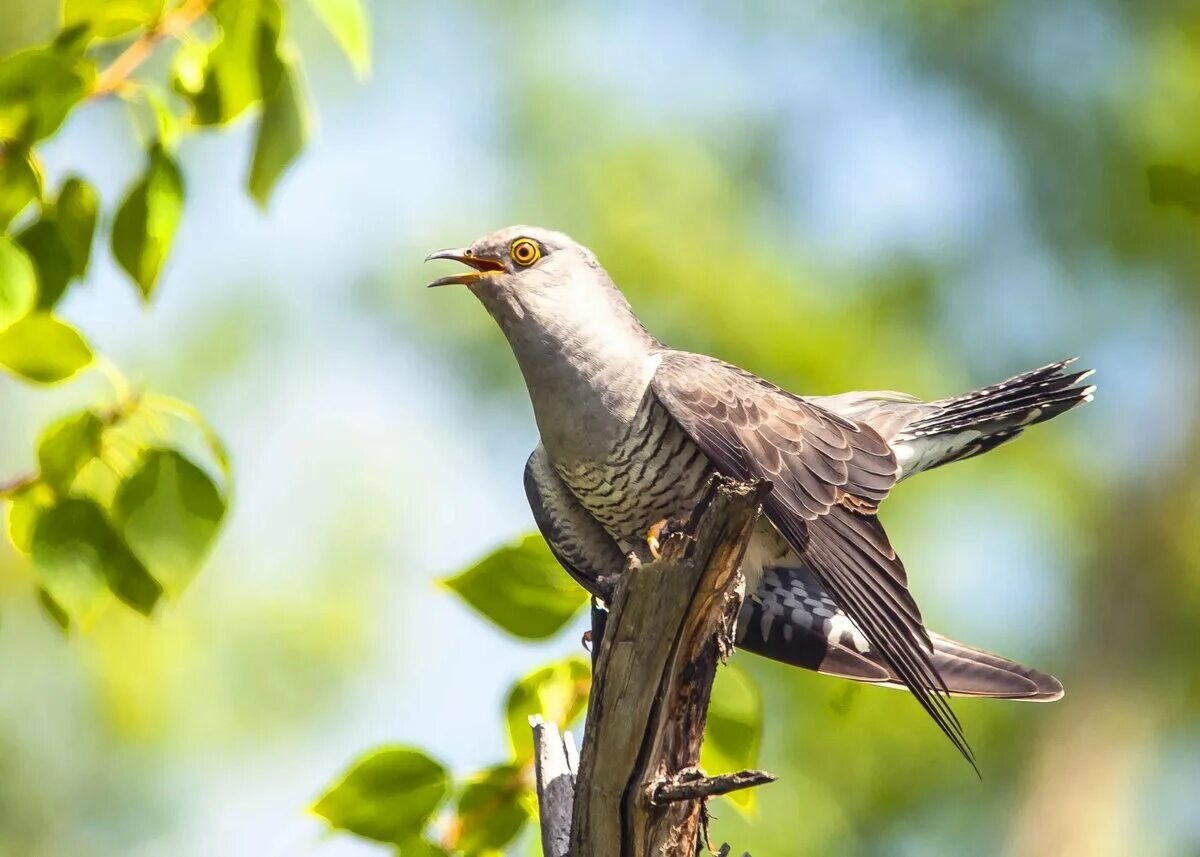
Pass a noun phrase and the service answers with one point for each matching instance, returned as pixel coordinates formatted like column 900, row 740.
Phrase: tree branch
column 555, row 763
column 176, row 22
column 696, row 785
column 669, row 623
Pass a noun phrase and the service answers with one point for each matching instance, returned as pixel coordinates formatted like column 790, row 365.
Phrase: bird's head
column 518, row 260
column 545, row 290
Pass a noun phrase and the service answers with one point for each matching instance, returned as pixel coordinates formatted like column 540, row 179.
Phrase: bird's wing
column 575, row 538
column 829, row 474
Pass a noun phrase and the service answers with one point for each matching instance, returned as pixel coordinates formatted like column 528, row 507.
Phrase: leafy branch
column 127, row 498
column 172, row 25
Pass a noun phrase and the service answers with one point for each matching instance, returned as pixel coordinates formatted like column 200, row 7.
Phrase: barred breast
column 653, row 471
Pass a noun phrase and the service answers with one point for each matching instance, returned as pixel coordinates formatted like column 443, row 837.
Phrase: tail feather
column 971, row 424
column 968, row 671
column 792, row 620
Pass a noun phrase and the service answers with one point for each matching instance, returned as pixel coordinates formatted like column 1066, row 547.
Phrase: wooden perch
column 555, row 764
column 638, row 790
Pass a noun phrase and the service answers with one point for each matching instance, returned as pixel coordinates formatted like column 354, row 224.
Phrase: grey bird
column 631, row 430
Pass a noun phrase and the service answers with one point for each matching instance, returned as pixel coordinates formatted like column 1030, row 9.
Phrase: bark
column 638, row 789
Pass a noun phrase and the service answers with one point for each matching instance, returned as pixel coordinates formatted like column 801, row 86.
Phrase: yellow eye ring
column 525, row 252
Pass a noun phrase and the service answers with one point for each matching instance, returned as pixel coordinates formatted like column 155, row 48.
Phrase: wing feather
column 828, row 474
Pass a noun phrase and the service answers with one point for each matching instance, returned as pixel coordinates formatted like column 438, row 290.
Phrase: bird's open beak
column 483, row 267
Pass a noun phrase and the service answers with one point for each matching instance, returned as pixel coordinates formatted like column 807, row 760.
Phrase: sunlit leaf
column 38, row 88
column 43, row 349
column 108, row 19
column 558, row 692
column 493, row 808
column 24, row 507
column 79, row 558
column 66, row 446
column 18, row 283
column 420, row 847
column 387, row 795
column 734, row 731
column 167, row 406
column 146, row 221
column 282, row 131
column 43, row 242
column 20, row 184
column 346, row 20
column 230, row 75
column 75, row 211
column 522, row 588
column 169, row 511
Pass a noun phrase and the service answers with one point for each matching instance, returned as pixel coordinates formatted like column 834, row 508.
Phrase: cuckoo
column 631, row 431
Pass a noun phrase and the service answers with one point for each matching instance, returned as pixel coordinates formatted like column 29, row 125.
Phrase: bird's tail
column 968, row 671
column 976, row 422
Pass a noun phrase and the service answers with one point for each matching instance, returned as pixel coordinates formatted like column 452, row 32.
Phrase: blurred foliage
column 381, row 798
column 522, row 588
column 146, row 522
column 495, row 804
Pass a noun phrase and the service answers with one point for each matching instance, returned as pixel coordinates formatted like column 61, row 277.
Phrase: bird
column 631, row 431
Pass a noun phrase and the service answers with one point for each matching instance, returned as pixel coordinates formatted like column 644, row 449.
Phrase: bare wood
column 555, row 763
column 671, row 620
column 694, row 785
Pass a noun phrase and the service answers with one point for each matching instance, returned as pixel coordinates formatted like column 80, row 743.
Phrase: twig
column 109, row 80
column 696, row 786
column 556, row 762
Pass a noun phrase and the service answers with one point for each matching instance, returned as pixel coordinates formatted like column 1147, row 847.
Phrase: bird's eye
column 525, row 252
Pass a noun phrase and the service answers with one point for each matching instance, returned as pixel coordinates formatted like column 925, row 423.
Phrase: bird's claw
column 659, row 533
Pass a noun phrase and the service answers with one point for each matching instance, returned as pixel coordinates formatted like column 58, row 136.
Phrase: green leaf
column 20, row 184
column 76, row 213
column 24, row 508
column 146, row 221
column 387, row 795
column 558, row 692
column 43, row 349
column 169, row 511
column 734, row 730
column 38, row 88
column 45, row 245
column 346, row 21
column 420, row 847
column 230, row 81
column 79, row 557
column 110, row 19
column 522, row 588
column 18, row 283
column 493, row 808
column 282, row 132
column 66, row 446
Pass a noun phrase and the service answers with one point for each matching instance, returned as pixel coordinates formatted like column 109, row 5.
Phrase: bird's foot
column 659, row 533
column 587, row 640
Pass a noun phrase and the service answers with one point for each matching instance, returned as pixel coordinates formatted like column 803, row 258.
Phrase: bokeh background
column 918, row 195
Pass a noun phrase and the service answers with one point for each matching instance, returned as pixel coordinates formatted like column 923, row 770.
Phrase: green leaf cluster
column 114, row 512
column 523, row 590
column 108, row 515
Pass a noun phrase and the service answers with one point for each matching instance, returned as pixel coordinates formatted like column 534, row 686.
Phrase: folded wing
column 829, row 474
